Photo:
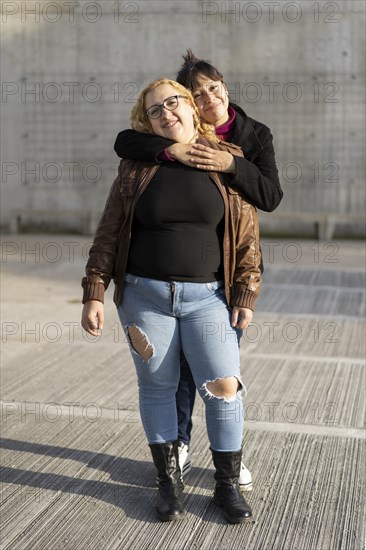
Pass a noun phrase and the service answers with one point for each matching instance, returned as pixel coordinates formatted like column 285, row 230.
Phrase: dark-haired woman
column 255, row 175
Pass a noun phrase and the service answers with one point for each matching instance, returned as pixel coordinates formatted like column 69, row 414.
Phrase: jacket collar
column 243, row 131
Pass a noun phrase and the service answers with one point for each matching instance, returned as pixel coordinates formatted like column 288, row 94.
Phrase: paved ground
column 76, row 469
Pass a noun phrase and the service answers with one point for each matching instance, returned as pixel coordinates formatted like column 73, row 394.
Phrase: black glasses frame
column 164, row 105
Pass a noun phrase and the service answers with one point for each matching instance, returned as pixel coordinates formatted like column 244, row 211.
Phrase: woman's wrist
column 231, row 169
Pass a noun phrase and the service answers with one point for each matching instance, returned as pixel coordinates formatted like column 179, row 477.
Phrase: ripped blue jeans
column 159, row 318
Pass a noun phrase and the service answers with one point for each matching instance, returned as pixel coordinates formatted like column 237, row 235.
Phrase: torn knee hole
column 140, row 342
column 224, row 387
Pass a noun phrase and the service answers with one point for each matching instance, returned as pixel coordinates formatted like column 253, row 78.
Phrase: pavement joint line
column 252, row 354
column 312, row 315
column 314, row 287
column 314, row 267
column 311, row 429
column 113, row 414
column 297, row 357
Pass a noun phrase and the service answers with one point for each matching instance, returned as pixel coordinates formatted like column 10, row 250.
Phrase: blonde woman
column 183, row 250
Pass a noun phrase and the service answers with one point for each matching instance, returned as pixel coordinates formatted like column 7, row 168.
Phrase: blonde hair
column 141, row 122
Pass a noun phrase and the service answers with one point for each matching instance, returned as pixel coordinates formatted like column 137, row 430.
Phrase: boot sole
column 176, row 517
column 234, row 521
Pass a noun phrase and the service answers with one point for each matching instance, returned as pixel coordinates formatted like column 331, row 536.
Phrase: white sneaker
column 184, row 458
column 245, row 479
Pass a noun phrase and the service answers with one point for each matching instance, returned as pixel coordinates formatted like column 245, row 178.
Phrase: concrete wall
column 71, row 72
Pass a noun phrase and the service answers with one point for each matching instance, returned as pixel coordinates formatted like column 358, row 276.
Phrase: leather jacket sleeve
column 102, row 256
column 247, row 259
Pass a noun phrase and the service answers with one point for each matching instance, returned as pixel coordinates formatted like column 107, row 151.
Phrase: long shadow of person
column 133, row 481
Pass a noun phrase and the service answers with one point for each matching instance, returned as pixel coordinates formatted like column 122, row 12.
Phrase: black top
column 178, row 227
column 256, row 174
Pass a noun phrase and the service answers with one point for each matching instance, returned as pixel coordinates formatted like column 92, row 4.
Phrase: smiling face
column 177, row 125
column 212, row 100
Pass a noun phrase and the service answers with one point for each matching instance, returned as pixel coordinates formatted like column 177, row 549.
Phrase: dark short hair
column 192, row 68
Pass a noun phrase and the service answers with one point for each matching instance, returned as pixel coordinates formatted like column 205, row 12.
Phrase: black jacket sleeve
column 257, row 178
column 256, row 174
column 139, row 146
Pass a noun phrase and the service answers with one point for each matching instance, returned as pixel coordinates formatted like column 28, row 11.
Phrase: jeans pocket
column 216, row 286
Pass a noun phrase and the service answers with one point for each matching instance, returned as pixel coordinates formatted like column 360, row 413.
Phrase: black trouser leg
column 185, row 398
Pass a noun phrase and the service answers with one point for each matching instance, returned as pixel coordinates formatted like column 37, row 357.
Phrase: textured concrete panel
column 72, row 76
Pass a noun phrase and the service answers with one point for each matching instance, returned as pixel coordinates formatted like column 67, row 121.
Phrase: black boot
column 227, row 493
column 169, row 504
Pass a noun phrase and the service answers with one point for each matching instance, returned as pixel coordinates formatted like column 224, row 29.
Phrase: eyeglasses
column 170, row 103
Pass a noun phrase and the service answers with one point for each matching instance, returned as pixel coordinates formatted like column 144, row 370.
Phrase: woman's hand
column 206, row 158
column 92, row 317
column 181, row 152
column 202, row 157
column 241, row 317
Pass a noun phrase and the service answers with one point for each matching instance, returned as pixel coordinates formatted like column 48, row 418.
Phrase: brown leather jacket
column 109, row 253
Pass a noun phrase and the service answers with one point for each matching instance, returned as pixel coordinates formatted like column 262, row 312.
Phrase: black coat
column 256, row 174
